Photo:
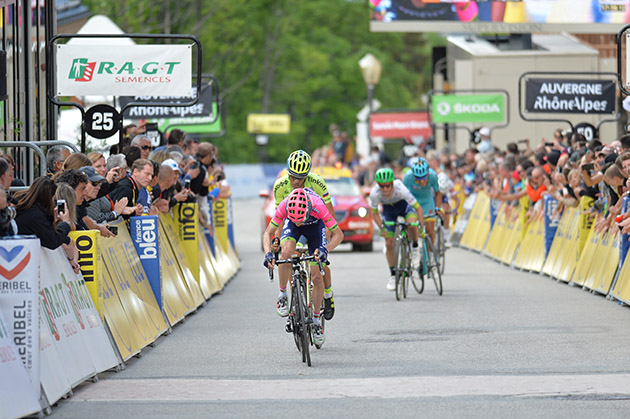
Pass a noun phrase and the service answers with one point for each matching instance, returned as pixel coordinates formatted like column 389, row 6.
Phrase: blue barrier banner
column 625, row 244
column 230, row 223
column 551, row 224
column 495, row 204
column 210, row 234
column 144, row 235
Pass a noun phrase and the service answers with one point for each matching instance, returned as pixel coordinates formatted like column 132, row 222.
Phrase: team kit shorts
column 315, row 234
column 399, row 209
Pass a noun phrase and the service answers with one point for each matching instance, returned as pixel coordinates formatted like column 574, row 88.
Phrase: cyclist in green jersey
column 299, row 176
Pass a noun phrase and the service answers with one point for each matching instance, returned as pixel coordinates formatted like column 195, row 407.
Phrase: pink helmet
column 298, row 206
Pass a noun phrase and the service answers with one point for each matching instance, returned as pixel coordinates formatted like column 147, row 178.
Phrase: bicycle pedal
column 288, row 327
column 308, row 321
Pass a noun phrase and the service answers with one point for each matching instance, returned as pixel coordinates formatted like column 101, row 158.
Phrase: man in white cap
column 485, row 145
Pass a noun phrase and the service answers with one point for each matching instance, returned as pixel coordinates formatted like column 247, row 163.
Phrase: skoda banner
column 19, row 300
column 468, row 108
column 570, row 96
column 134, row 70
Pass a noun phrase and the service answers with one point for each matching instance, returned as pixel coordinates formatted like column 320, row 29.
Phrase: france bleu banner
column 625, row 244
column 144, row 235
column 209, row 232
column 495, row 204
column 551, row 223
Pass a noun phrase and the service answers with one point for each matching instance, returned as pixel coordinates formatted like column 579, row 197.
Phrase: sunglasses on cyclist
column 385, row 185
column 420, row 179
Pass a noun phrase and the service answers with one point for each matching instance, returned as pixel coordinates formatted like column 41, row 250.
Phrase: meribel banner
column 128, row 70
column 19, row 300
column 204, row 107
column 570, row 96
column 400, row 125
column 468, row 108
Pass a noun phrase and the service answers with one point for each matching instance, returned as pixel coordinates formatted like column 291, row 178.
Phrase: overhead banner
column 400, row 125
column 570, row 96
column 468, row 108
column 124, row 70
column 19, row 301
column 268, row 123
column 204, row 107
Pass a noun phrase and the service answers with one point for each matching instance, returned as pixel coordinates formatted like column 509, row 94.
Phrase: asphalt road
column 498, row 343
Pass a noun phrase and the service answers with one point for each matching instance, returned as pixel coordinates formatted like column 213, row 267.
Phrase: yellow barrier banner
column 497, row 235
column 180, row 256
column 531, row 252
column 121, row 261
column 87, row 242
column 621, row 291
column 210, row 283
column 478, row 225
column 570, row 253
column 549, row 268
column 586, row 257
column 219, row 211
column 177, row 298
column 185, row 218
column 604, row 265
column 121, row 324
column 222, row 270
column 586, row 221
column 514, row 229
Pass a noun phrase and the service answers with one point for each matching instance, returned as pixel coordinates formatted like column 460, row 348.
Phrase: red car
column 352, row 211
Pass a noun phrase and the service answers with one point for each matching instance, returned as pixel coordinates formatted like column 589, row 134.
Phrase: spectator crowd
column 566, row 166
column 82, row 192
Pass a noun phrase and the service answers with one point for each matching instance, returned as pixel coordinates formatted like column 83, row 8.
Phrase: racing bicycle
column 431, row 262
column 440, row 243
column 402, row 260
column 300, row 308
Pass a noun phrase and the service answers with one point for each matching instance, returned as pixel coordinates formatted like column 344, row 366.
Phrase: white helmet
column 444, row 183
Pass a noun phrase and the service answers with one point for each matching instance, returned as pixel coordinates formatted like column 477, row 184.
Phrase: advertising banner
column 130, row 283
column 17, row 394
column 220, row 222
column 185, row 217
column 495, row 204
column 130, row 70
column 468, row 108
column 624, row 244
column 144, row 235
column 586, row 221
column 19, row 305
column 230, row 223
column 551, row 223
column 172, row 237
column 269, row 123
column 498, row 16
column 205, row 107
column 77, row 297
column 570, row 96
column 400, row 125
column 87, row 242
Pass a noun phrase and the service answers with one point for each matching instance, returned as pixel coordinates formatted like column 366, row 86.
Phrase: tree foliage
column 282, row 56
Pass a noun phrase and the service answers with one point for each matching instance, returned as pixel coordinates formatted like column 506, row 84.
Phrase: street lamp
column 371, row 69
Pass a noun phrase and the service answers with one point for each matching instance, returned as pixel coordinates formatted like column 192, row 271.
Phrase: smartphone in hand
column 61, row 206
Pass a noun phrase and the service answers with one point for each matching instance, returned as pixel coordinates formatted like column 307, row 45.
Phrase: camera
column 187, row 184
column 61, row 203
column 6, row 216
column 113, row 229
column 153, row 133
column 588, row 166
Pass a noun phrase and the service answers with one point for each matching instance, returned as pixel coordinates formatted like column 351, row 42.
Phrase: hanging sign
column 570, row 96
column 124, row 70
column 468, row 108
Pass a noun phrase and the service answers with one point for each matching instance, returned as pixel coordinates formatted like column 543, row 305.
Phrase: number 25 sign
column 102, row 121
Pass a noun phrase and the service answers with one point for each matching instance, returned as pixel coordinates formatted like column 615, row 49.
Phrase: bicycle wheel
column 294, row 316
column 303, row 327
column 441, row 246
column 418, row 282
column 399, row 262
column 408, row 268
column 434, row 266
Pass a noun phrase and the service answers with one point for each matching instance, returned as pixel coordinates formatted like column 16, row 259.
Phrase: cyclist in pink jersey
column 303, row 213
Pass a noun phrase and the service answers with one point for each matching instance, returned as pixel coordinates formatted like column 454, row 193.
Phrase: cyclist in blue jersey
column 422, row 182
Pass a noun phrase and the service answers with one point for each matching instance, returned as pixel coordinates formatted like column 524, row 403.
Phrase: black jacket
column 35, row 220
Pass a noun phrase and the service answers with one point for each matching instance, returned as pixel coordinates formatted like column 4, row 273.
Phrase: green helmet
column 384, row 175
column 299, row 164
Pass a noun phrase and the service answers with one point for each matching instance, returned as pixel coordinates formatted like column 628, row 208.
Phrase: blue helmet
column 420, row 167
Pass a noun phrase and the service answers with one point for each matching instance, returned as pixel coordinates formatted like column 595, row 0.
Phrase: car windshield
column 343, row 187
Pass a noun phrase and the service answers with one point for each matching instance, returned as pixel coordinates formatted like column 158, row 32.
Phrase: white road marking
column 377, row 388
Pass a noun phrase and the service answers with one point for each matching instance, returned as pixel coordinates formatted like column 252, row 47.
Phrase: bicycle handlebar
column 297, row 259
column 391, row 223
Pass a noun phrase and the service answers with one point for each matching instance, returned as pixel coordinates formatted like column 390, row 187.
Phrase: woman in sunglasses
column 396, row 201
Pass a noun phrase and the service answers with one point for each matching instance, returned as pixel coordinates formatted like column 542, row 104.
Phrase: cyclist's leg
column 316, row 236
column 328, row 293
column 390, row 213
column 289, row 236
